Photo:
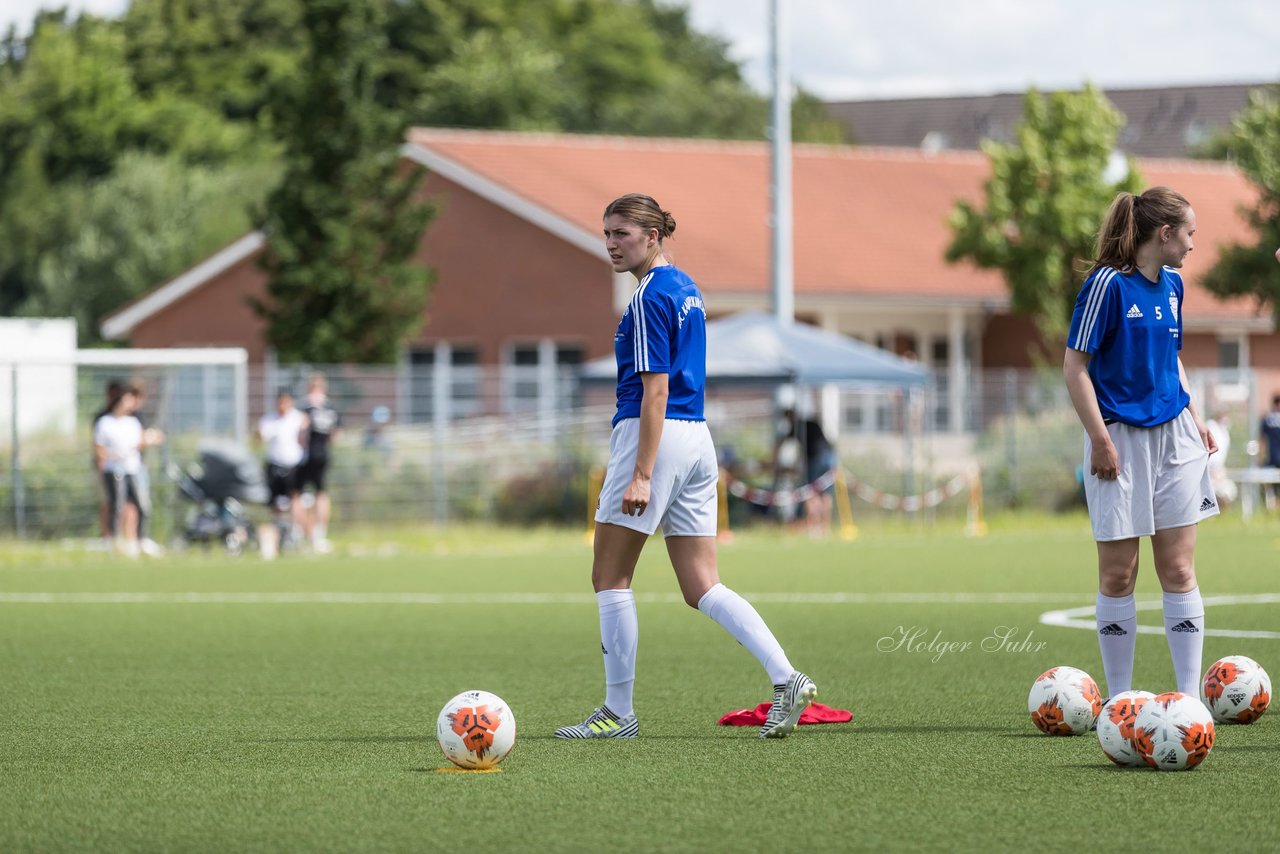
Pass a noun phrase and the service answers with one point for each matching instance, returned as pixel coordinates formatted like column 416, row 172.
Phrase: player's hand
column 1104, row 462
column 1206, row 436
column 636, row 499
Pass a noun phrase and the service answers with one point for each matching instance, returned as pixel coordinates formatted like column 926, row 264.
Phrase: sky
column 856, row 49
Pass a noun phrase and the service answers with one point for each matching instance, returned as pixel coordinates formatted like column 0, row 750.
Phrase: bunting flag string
column 865, row 491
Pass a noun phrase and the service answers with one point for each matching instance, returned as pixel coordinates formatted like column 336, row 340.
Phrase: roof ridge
column 427, row 135
column 1191, row 164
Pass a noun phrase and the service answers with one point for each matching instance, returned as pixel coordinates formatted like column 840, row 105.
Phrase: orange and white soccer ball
column 476, row 730
column 1236, row 690
column 1115, row 727
column 1173, row 732
column 1064, row 701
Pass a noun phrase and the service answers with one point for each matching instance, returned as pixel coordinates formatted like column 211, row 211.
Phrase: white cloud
column 868, row 48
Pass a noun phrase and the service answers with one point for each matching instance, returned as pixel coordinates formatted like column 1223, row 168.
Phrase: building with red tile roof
column 522, row 275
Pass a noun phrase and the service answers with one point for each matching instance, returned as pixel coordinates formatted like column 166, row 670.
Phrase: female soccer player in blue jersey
column 663, row 471
column 1146, row 447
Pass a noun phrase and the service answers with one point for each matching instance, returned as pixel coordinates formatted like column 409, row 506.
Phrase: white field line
column 1074, row 618
column 1083, row 618
column 340, row 598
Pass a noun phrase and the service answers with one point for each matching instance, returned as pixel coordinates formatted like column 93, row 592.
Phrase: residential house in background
column 1171, row 121
column 524, row 291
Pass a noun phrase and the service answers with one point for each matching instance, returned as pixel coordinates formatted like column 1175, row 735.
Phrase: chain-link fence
column 517, row 445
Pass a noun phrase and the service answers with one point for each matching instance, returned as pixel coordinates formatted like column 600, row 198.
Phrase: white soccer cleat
column 788, row 705
column 602, row 723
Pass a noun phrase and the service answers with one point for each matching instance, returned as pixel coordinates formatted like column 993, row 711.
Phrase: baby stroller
column 227, row 477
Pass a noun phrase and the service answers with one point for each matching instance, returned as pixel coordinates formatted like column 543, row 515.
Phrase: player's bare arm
column 1104, row 462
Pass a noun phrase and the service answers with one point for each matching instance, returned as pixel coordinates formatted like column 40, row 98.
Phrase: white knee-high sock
column 1184, row 628
column 1117, row 618
column 739, row 619
column 619, row 635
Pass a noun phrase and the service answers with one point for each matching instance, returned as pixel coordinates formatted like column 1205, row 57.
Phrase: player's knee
column 1115, row 587
column 1178, row 577
column 1117, row 579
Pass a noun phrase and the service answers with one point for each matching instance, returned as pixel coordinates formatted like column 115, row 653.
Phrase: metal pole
column 441, row 401
column 19, row 500
column 780, row 188
column 1011, row 432
column 240, row 405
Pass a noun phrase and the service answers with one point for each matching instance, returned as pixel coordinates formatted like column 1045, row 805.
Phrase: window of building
column 939, row 352
column 535, row 369
column 1229, row 353
column 465, row 381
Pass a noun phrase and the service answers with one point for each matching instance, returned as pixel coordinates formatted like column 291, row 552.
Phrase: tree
column 64, row 107
column 153, row 217
column 214, row 87
column 1251, row 270
column 1044, row 202
column 227, row 56
column 344, row 224
column 587, row 66
column 69, row 111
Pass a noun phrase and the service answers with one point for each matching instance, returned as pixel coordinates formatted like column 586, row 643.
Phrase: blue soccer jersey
column 1270, row 430
column 1132, row 328
column 664, row 328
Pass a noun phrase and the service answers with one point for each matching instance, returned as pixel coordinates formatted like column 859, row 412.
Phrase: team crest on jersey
column 1173, row 306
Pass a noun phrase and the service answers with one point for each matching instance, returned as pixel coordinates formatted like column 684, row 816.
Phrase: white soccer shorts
column 1163, row 481
column 682, row 492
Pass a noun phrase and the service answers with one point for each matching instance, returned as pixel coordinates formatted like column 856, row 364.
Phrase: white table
column 1250, row 480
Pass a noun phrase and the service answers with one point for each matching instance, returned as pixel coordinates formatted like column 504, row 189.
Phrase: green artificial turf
column 309, row 726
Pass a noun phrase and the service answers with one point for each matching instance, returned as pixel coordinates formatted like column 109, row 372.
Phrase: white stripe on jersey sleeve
column 1093, row 305
column 640, row 326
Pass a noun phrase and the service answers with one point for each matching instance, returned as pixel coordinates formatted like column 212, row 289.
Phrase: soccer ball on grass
column 1064, row 701
column 1173, row 732
column 476, row 730
column 1115, row 727
column 1236, row 690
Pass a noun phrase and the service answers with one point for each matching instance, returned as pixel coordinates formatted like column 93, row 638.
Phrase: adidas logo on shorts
column 1185, row 626
column 1207, row 504
column 1113, row 629
column 1134, row 311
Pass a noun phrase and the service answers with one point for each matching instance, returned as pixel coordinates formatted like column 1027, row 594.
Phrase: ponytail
column 1130, row 222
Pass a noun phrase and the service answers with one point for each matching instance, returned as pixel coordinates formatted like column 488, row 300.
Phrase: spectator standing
column 115, row 388
column 151, row 437
column 819, row 458
column 324, row 423
column 1269, row 429
column 283, row 432
column 118, row 439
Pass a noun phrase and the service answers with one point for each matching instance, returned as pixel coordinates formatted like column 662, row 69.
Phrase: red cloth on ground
column 816, row 713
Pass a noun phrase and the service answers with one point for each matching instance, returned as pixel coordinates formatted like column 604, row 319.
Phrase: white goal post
column 235, row 358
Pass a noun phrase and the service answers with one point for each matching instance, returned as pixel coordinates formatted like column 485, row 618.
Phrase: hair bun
column 668, row 223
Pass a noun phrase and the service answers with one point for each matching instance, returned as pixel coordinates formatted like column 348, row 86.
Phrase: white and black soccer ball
column 1115, row 727
column 1064, row 701
column 476, row 730
column 1236, row 690
column 1173, row 732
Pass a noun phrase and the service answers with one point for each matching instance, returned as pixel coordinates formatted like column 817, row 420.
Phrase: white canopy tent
column 754, row 346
